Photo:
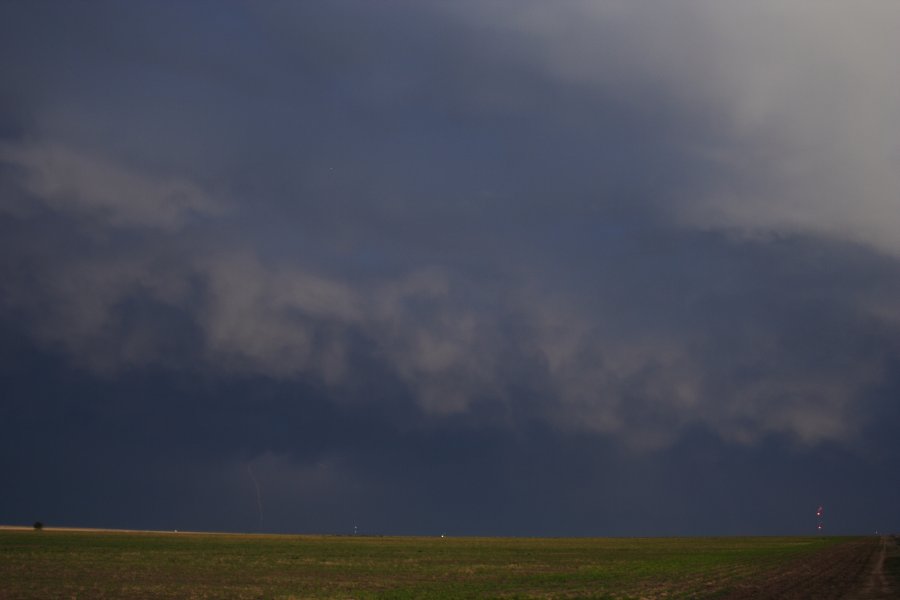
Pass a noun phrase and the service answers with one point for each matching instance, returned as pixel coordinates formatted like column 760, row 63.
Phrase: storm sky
column 482, row 267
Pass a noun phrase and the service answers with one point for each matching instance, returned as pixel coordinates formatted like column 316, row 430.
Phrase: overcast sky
column 495, row 267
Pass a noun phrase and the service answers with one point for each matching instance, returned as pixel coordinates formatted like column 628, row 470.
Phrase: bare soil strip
column 877, row 585
column 851, row 571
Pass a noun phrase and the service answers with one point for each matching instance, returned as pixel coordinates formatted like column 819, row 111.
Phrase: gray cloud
column 617, row 229
column 805, row 117
column 76, row 183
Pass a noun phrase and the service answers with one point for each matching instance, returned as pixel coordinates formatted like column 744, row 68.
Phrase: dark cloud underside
column 474, row 267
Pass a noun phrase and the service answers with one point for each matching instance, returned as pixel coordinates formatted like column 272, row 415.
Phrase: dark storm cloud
column 558, row 255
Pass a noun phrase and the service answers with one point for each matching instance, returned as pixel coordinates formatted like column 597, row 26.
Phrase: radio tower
column 819, row 513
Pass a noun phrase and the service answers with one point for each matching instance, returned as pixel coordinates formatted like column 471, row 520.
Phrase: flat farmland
column 106, row 564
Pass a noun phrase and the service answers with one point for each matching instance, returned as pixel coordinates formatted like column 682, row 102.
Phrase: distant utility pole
column 820, row 512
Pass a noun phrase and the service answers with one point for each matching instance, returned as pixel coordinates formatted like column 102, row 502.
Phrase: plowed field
column 854, row 570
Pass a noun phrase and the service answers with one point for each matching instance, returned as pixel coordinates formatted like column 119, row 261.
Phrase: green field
column 70, row 564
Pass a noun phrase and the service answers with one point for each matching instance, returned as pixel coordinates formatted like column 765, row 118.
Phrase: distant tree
column 38, row 525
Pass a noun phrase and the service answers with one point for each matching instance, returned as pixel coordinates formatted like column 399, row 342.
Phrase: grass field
column 78, row 564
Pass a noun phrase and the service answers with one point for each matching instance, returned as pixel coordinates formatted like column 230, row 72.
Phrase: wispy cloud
column 81, row 184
